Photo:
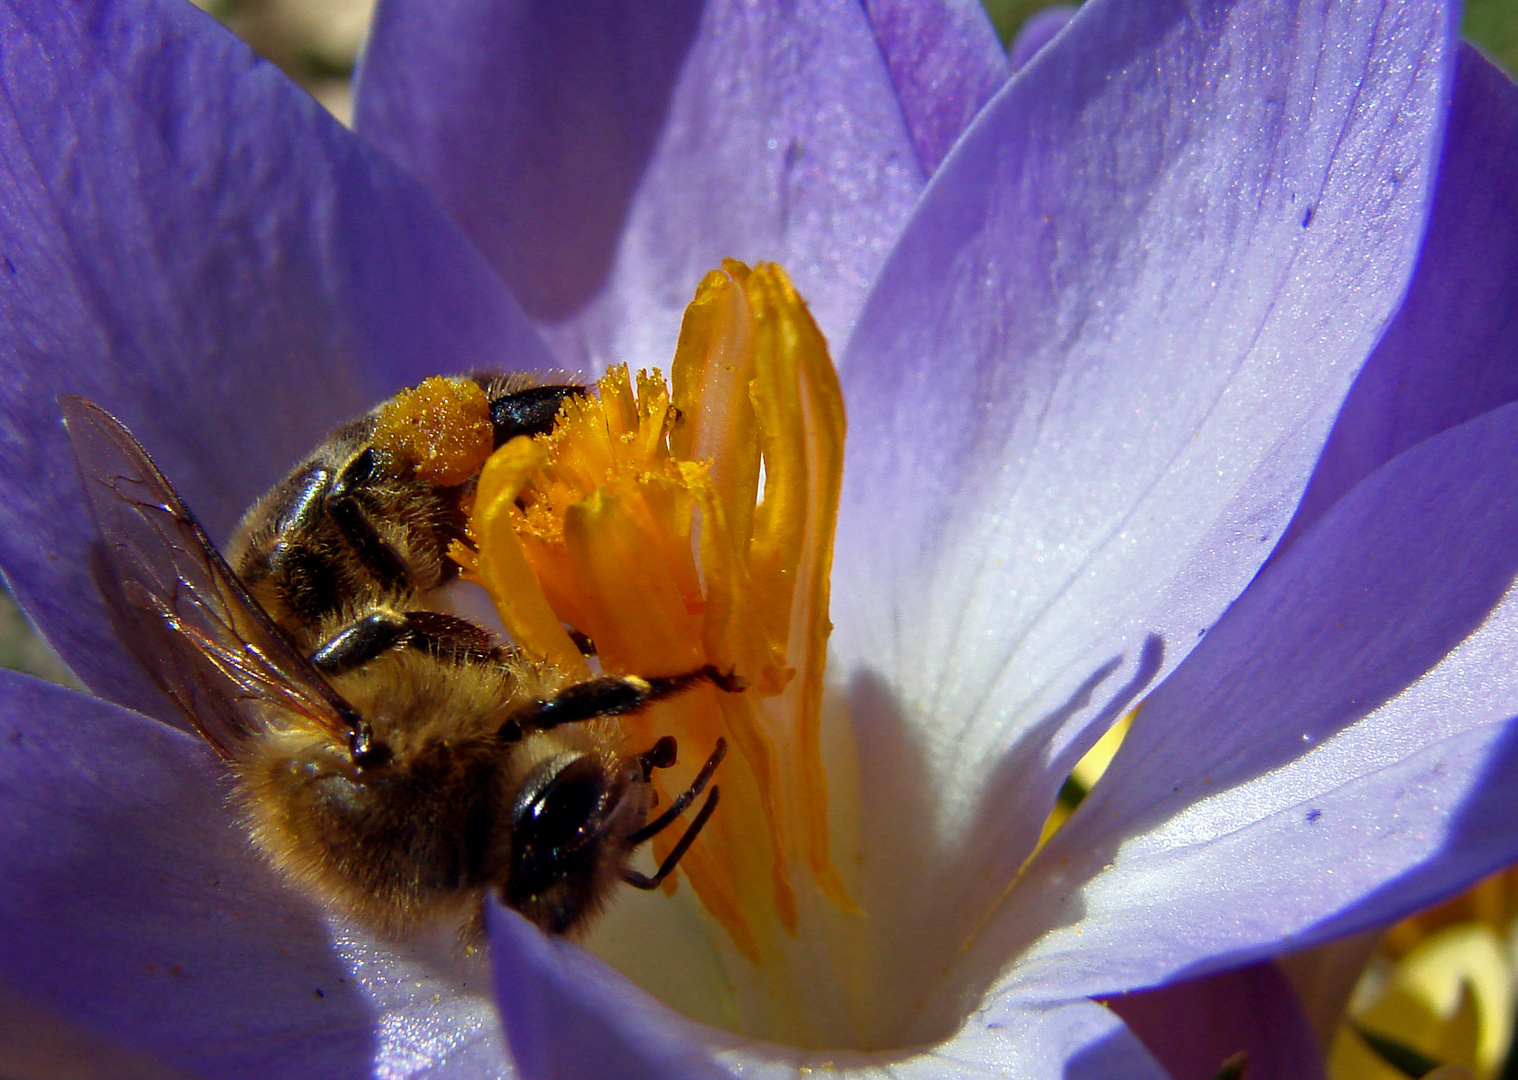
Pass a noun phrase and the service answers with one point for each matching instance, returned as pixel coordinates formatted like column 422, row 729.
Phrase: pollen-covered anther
column 439, row 430
column 640, row 523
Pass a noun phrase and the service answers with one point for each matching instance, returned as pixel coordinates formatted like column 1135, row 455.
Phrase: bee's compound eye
column 560, row 806
column 559, row 840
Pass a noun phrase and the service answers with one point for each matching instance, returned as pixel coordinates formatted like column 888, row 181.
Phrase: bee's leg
column 359, row 642
column 310, row 497
column 688, row 796
column 529, row 412
column 449, row 636
column 612, row 695
column 383, row 629
column 343, row 506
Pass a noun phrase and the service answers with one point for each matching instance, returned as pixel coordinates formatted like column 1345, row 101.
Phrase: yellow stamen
column 638, row 523
column 440, row 430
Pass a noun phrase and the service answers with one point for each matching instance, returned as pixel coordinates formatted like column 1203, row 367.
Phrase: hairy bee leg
column 383, row 629
column 667, row 867
column 342, row 504
column 442, row 634
column 725, row 681
column 688, row 796
column 613, row 695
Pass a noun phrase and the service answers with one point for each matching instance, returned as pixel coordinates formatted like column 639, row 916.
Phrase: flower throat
column 690, row 525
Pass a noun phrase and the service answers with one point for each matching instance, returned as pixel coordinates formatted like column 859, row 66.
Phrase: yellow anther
column 640, row 524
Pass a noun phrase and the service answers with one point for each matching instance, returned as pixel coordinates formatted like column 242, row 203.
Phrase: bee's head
column 570, row 824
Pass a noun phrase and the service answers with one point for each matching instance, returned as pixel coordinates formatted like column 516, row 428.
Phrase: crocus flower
column 1094, row 325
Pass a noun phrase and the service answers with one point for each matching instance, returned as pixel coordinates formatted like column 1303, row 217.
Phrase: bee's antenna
column 643, row 881
column 676, row 808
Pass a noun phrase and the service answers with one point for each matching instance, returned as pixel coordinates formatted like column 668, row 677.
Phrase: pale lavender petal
column 1086, row 396
column 1339, row 750
column 190, row 240
column 571, row 1017
column 136, row 910
column 606, row 155
column 945, row 62
column 1192, row 1027
column 1038, row 31
column 1452, row 351
column 431, row 999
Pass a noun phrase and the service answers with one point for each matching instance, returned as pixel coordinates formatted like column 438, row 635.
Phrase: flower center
column 690, row 525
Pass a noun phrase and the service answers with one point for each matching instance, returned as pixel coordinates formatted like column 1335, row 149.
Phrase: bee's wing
column 178, row 606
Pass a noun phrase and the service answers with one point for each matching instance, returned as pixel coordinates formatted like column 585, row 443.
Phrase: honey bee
column 390, row 758
column 348, row 530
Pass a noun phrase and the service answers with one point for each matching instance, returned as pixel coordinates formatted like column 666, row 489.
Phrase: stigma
column 676, row 526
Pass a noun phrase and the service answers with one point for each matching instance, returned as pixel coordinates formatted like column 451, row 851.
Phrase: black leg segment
column 371, row 635
column 615, row 695
column 529, row 412
column 359, row 642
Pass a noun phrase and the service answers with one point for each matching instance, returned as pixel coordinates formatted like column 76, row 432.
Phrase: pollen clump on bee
column 640, row 522
column 440, row 430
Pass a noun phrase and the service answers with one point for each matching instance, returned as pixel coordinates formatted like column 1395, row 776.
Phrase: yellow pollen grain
column 439, row 430
column 639, row 522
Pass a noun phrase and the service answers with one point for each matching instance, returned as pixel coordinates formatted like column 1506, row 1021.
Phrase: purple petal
column 1452, row 351
column 945, row 62
column 1087, row 393
column 1038, row 31
column 606, row 155
column 135, row 910
column 36, row 1044
column 189, row 240
column 1192, row 1027
column 569, row 1016
column 1338, row 752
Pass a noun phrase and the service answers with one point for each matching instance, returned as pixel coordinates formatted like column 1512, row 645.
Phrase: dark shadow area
column 899, row 801
column 35, row 1045
column 1251, row 1009
column 1014, row 770
column 1107, row 1059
